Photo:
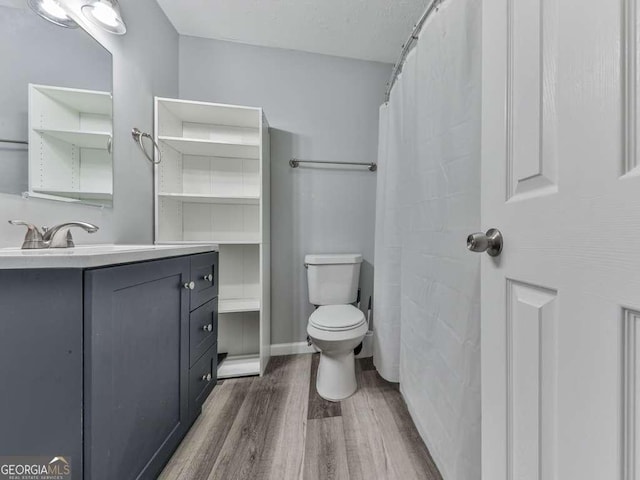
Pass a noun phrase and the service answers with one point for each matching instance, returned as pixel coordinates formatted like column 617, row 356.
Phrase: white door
column 561, row 304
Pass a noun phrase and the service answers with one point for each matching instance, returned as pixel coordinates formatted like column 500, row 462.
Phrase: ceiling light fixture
column 52, row 11
column 105, row 14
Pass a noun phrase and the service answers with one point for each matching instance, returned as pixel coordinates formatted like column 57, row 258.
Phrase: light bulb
column 105, row 14
column 54, row 9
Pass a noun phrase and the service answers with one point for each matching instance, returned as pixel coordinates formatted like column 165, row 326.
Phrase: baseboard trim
column 291, row 348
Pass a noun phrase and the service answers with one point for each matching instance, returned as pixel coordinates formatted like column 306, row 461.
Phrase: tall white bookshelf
column 212, row 186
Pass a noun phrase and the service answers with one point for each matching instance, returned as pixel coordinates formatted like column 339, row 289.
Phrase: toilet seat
column 337, row 318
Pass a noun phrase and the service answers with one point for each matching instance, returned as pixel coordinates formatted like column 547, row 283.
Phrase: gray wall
column 145, row 63
column 319, row 107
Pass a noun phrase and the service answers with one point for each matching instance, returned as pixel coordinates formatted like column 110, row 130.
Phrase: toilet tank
column 333, row 279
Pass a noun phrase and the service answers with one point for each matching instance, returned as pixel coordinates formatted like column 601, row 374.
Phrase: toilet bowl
column 336, row 330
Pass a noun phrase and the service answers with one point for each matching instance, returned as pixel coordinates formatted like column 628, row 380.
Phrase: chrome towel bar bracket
column 295, row 163
column 138, row 136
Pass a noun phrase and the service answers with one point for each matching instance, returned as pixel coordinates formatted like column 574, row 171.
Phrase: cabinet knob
column 190, row 285
column 208, row 327
column 208, row 278
column 206, row 378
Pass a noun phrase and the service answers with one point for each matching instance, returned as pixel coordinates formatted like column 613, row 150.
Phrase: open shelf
column 79, row 100
column 239, row 366
column 211, row 113
column 76, row 194
column 233, row 305
column 79, row 138
column 239, row 339
column 210, row 148
column 240, row 272
column 222, row 221
column 191, row 198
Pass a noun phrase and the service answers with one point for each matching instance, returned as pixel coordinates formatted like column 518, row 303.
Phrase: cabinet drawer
column 202, row 378
column 203, row 329
column 204, row 274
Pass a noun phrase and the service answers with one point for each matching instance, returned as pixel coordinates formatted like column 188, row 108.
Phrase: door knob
column 208, row 327
column 208, row 278
column 206, row 378
column 190, row 285
column 490, row 242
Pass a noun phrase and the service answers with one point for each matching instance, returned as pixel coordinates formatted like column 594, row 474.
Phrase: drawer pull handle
column 206, row 378
column 190, row 285
column 208, row 327
column 208, row 278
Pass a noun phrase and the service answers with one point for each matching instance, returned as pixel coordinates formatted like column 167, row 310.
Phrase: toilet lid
column 337, row 317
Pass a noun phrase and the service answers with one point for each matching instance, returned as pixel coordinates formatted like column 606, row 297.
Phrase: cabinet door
column 41, row 364
column 136, row 367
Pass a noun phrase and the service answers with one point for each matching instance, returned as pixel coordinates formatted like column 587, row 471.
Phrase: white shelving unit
column 212, row 186
column 70, row 135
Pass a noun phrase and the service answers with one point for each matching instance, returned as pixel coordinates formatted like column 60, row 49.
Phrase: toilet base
column 336, row 378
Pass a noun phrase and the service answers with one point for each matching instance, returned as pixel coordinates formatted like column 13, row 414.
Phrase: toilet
column 336, row 327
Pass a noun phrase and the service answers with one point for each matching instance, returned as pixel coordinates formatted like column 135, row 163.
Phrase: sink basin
column 87, row 256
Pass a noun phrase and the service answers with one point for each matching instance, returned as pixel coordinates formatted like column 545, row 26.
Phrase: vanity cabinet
column 108, row 366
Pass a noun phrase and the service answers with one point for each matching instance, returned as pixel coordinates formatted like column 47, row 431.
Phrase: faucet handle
column 33, row 238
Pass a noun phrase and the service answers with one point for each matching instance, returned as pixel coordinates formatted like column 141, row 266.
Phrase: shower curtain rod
column 397, row 68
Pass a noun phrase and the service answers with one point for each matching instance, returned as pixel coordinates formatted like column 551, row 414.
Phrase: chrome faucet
column 58, row 236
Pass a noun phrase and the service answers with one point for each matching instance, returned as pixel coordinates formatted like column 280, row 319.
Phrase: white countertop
column 90, row 256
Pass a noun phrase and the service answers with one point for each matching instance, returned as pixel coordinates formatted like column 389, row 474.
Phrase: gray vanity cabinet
column 136, row 366
column 109, row 366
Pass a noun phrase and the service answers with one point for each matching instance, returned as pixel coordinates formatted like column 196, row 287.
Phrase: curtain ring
column 138, row 136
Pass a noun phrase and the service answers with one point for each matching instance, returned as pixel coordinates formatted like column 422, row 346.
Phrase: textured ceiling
column 364, row 29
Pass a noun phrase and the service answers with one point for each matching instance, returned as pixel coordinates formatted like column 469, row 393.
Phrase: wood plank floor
column 277, row 427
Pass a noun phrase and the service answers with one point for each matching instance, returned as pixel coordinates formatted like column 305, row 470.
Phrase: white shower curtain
column 386, row 291
column 427, row 286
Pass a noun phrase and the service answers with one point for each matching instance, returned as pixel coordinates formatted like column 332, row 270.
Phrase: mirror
column 56, row 114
